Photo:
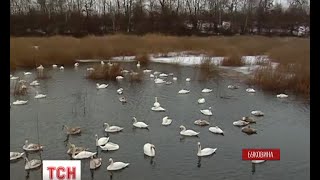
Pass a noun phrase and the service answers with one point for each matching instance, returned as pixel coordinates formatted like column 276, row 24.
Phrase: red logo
column 61, row 170
column 260, row 154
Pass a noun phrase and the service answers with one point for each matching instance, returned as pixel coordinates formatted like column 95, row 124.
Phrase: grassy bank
column 64, row 50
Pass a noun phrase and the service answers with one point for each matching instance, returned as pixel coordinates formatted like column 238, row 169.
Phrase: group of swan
column 244, row 122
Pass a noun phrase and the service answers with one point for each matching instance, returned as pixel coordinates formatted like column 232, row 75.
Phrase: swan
column 111, row 129
column 122, row 99
column 34, row 163
column 19, row 102
column 188, row 79
column 74, row 130
column 102, row 86
column 95, row 162
column 76, row 64
column 174, row 78
column 110, row 64
column 156, row 103
column 116, row 165
column 159, row 81
column 120, row 91
column 258, row 161
column 151, row 75
column 82, row 154
column 101, row 141
column 146, row 71
column 201, row 122
column 149, row 150
column 216, row 130
column 282, row 96
column 158, row 109
column 257, row 113
column 54, row 66
column 233, row 87
column 166, row 121
column 31, row 146
column 206, row 90
column 188, row 132
column 183, row 91
column 240, row 123
column 34, row 83
column 102, row 63
column 90, row 69
column 22, row 81
column 119, row 77
column 249, row 130
column 77, row 149
column 124, row 71
column 170, row 74
column 250, row 90
column 14, row 77
column 156, row 72
column 15, row 155
column 138, row 64
column 110, row 146
column 40, row 67
column 61, row 68
column 139, row 124
column 39, row 96
column 249, row 119
column 205, row 151
column 168, row 83
column 27, row 73
column 206, row 112
column 201, row 100
column 163, row 75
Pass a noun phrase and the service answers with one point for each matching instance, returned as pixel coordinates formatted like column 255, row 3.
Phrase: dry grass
column 233, row 59
column 144, row 59
column 207, row 69
column 105, row 72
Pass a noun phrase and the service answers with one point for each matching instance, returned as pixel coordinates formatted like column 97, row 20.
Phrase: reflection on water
column 73, row 100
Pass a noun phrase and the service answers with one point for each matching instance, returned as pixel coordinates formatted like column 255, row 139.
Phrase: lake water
column 74, row 100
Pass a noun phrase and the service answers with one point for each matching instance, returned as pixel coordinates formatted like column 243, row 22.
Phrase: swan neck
column 199, row 148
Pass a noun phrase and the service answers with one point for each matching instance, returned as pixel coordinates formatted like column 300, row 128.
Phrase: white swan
column 15, row 155
column 188, row 132
column 250, row 90
column 31, row 146
column 160, row 109
column 27, row 73
column 102, row 86
column 156, row 72
column 206, row 90
column 82, row 154
column 233, row 87
column 206, row 112
column 156, row 103
column 39, row 96
column 163, row 75
column 76, row 64
column 61, row 68
column 19, row 102
column 282, row 96
column 146, row 71
column 119, row 77
column 110, row 146
column 124, row 71
column 151, row 75
column 257, row 113
column 205, row 151
column 95, row 162
column 174, row 78
column 34, row 163
column 110, row 64
column 258, row 161
column 90, row 69
column 116, row 165
column 139, row 124
column 201, row 122
column 112, row 129
column 34, row 83
column 201, row 100
column 102, row 63
column 149, row 150
column 54, row 66
column 183, row 91
column 170, row 74
column 138, row 64
column 240, row 123
column 120, row 91
column 168, row 82
column 40, row 67
column 122, row 99
column 166, row 121
column 101, row 141
column 77, row 149
column 188, row 79
column 14, row 77
column 159, row 81
column 216, row 130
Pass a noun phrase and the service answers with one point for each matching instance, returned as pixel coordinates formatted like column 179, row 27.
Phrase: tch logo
column 61, row 170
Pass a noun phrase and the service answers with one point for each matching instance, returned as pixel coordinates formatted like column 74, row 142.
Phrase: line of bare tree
column 175, row 17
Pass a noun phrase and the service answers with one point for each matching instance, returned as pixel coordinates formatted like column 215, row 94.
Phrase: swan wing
column 117, row 166
column 208, row 151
